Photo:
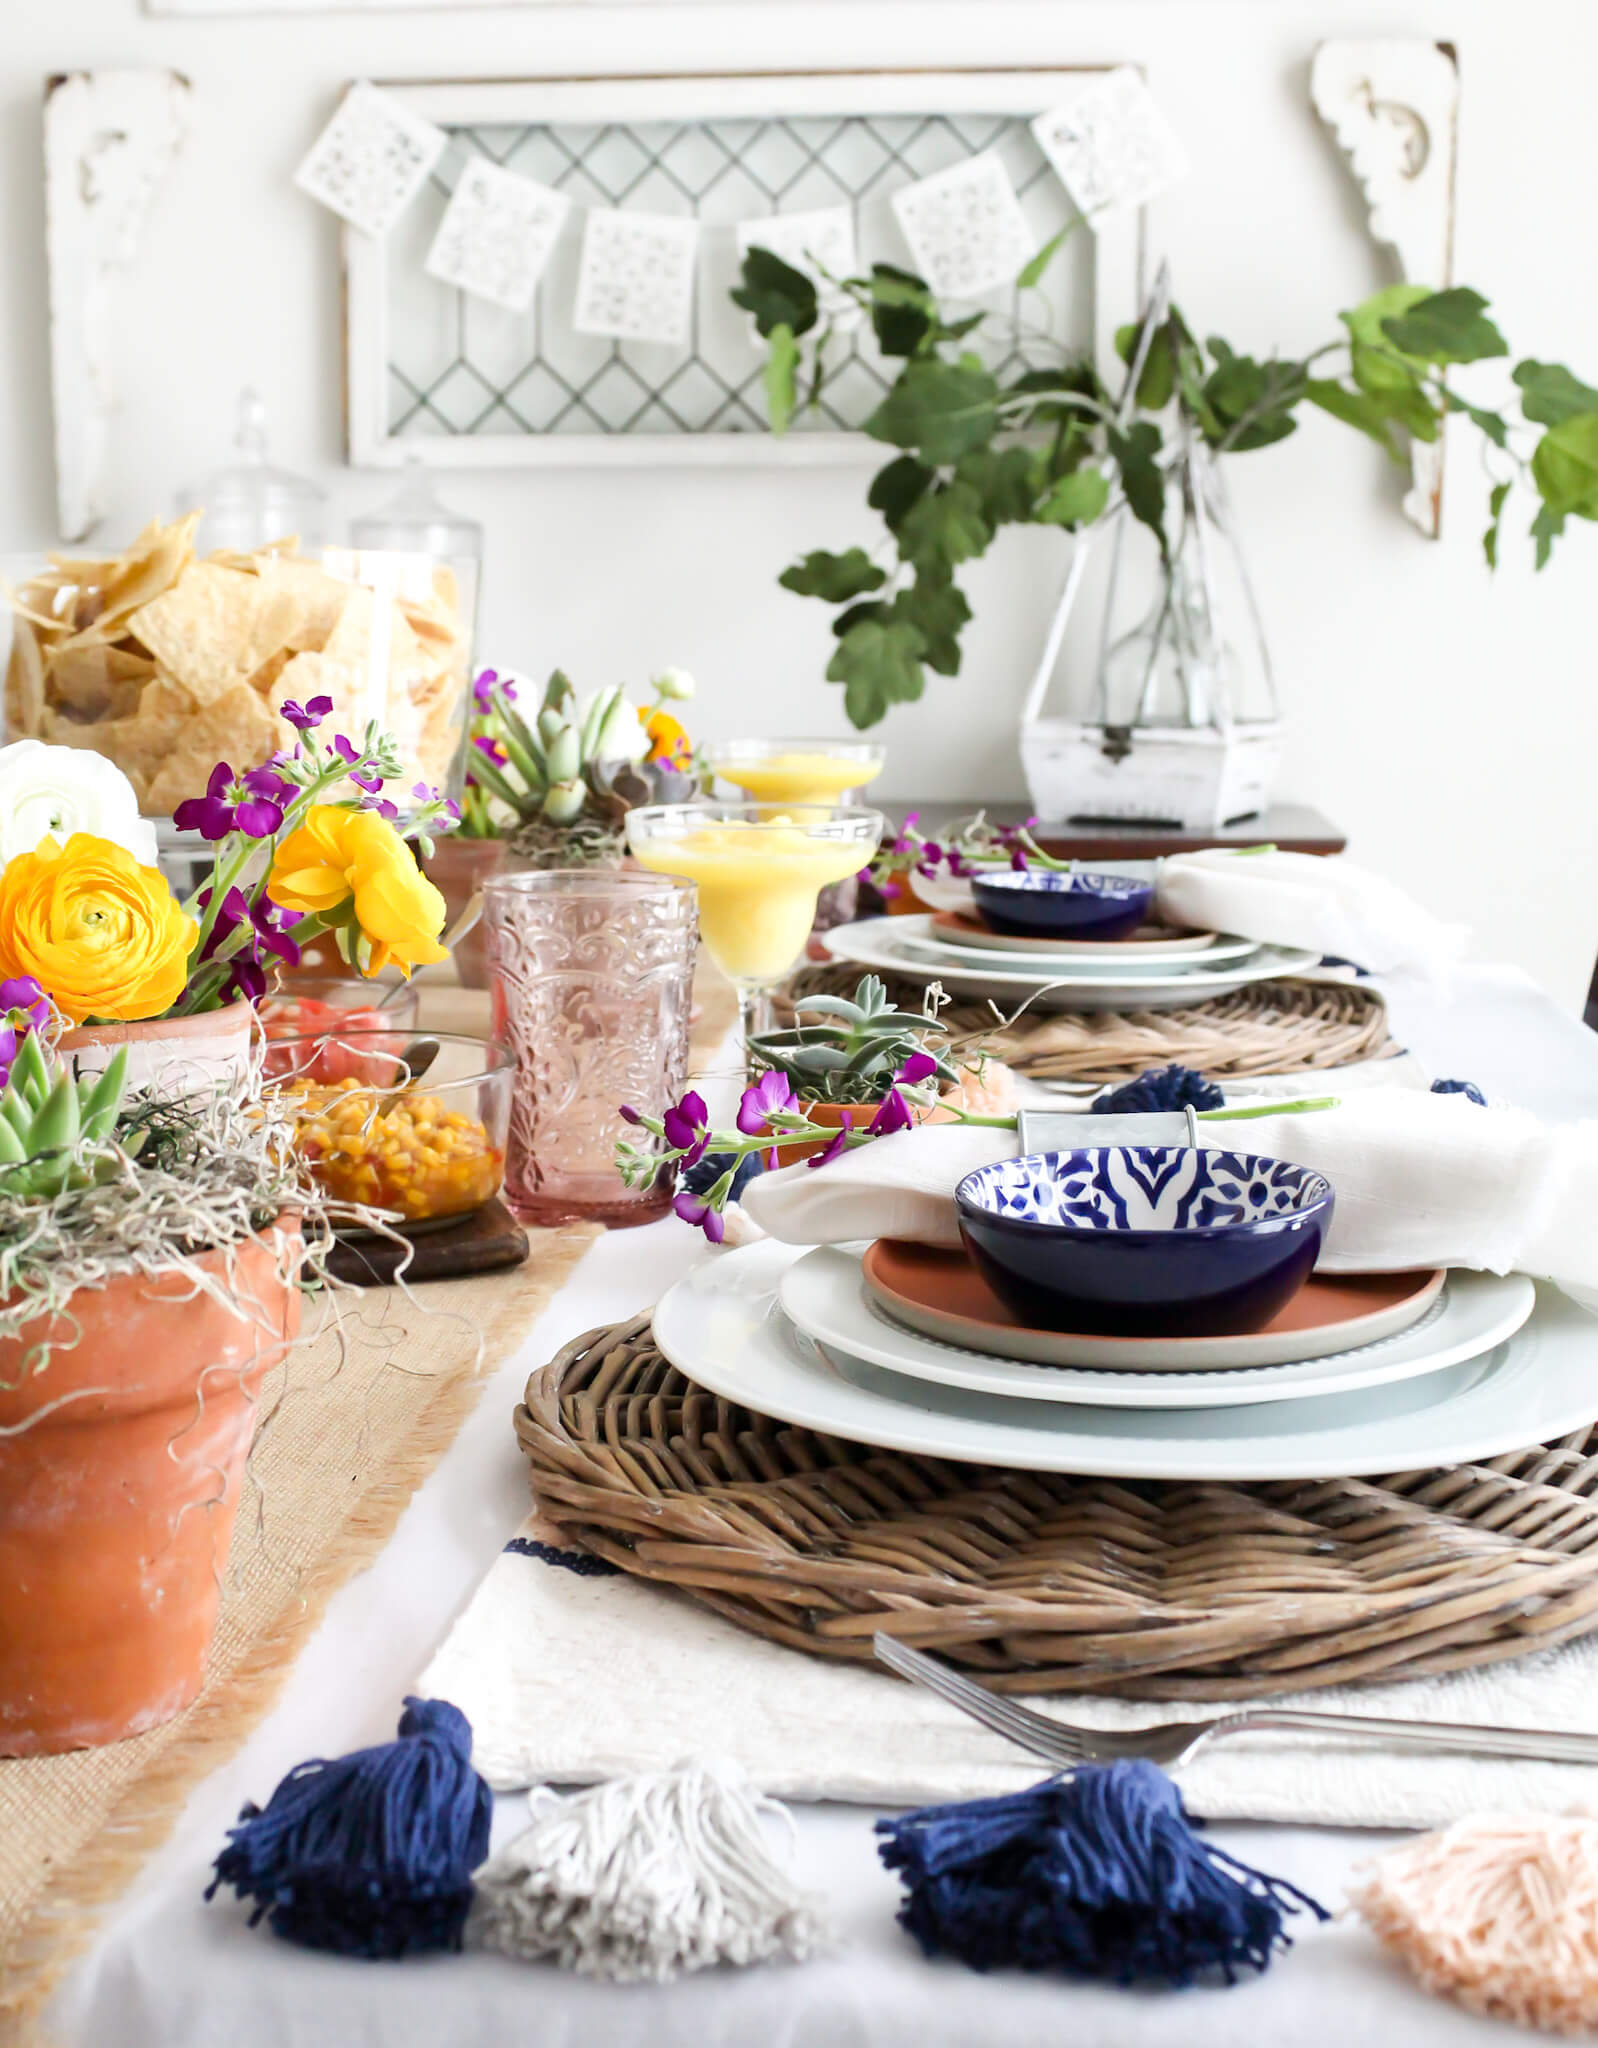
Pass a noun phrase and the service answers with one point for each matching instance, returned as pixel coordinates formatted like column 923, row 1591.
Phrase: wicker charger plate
column 1271, row 1027
column 1044, row 1583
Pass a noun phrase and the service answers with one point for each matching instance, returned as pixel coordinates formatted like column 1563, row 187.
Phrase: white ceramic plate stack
column 1485, row 1365
column 1151, row 974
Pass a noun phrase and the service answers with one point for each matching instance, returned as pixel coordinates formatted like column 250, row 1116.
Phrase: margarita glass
column 759, row 871
column 785, row 771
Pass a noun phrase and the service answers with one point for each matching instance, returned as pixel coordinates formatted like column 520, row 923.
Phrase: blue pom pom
column 370, row 1854
column 1160, row 1088
column 1468, row 1089
column 702, row 1176
column 1098, row 1874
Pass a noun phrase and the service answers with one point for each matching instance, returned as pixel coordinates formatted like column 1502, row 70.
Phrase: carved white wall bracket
column 1394, row 107
column 108, row 139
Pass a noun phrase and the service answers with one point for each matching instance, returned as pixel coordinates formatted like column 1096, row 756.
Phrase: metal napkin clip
column 1069, row 1130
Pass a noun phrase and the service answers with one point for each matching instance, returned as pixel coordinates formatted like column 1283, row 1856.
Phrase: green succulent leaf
column 1549, row 394
column 776, row 294
column 1445, row 327
column 879, row 664
column 835, row 578
column 941, row 410
column 944, row 527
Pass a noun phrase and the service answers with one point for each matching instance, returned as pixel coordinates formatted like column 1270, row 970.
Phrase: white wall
column 1447, row 718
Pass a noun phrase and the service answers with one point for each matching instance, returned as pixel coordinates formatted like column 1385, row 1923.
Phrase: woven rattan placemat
column 1270, row 1027
column 1045, row 1583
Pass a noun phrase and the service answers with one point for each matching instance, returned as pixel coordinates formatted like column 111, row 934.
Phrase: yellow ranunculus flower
column 101, row 933
column 339, row 856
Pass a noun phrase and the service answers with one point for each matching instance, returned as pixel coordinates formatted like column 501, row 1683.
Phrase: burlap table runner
column 332, row 1469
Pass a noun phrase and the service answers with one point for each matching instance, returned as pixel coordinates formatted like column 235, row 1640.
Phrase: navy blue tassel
column 1098, row 1874
column 370, row 1854
column 1468, row 1089
column 702, row 1176
column 1160, row 1088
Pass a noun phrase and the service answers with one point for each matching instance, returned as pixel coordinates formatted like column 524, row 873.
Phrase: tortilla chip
column 153, row 564
column 236, row 727
column 24, row 694
column 91, row 680
column 357, row 626
column 357, row 695
column 318, row 596
column 214, row 628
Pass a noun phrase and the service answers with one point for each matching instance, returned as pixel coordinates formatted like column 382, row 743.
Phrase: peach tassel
column 1499, row 1912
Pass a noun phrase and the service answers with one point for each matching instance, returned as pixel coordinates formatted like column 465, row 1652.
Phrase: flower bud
column 674, row 683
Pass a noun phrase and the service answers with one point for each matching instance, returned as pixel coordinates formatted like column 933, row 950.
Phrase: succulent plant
column 853, row 1052
column 54, row 1128
column 570, row 774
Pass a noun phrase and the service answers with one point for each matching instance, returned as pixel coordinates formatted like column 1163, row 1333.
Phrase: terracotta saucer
column 942, row 1295
column 1148, row 942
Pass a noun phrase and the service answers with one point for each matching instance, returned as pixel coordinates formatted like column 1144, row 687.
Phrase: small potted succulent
column 150, row 1259
column 552, row 788
column 841, row 1062
column 304, row 845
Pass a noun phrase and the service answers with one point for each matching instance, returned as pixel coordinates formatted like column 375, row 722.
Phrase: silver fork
column 1173, row 1743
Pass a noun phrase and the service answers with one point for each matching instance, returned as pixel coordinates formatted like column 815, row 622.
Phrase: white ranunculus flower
column 52, row 792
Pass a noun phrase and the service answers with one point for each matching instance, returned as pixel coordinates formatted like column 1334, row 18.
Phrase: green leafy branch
column 1053, row 446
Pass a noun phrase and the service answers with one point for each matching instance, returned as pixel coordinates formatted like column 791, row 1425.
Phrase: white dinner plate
column 1105, row 963
column 880, row 943
column 1213, row 946
column 724, row 1327
column 824, row 1294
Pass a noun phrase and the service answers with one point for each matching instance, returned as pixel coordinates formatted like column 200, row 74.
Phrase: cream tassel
column 643, row 1878
column 1499, row 1912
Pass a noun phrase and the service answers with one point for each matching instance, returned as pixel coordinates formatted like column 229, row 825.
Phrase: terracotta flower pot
column 458, row 868
column 121, row 1464
column 173, row 1055
column 831, row 1115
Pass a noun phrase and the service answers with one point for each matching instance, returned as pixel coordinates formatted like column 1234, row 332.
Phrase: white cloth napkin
column 568, row 1676
column 1420, row 1180
column 1305, row 899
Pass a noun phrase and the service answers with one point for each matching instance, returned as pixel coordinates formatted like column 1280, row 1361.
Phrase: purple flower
column 1018, row 861
column 306, row 716
column 22, row 994
column 8, row 1051
column 251, row 804
column 491, row 747
column 772, row 1093
column 893, row 1114
column 835, row 1145
column 267, row 936
column 692, row 1210
column 628, row 1114
column 920, row 1066
column 348, row 751
column 382, row 806
column 687, row 1128
column 486, row 679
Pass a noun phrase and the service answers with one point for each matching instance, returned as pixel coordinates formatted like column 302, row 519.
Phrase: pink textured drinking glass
column 591, row 974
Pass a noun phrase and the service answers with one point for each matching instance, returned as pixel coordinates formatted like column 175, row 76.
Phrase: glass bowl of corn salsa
column 327, row 1006
column 412, row 1124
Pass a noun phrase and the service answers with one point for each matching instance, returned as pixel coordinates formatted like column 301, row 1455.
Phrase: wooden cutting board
column 482, row 1243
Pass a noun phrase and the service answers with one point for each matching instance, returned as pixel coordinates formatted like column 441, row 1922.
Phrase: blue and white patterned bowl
column 1048, row 903
column 1145, row 1240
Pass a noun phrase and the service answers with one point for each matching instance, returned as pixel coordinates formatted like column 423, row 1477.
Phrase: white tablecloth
column 171, row 1972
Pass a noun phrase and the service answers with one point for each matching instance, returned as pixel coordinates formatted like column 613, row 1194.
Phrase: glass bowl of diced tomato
column 380, row 1015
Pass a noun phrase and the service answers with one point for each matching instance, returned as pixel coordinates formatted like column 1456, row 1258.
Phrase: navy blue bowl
column 1048, row 903
column 1145, row 1240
